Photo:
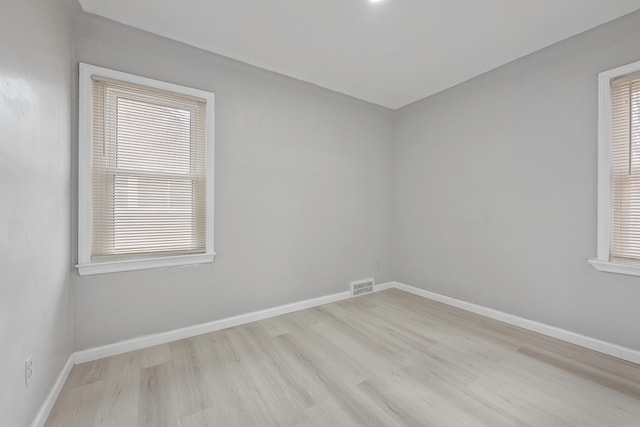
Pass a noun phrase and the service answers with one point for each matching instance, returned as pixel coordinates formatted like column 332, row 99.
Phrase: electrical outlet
column 28, row 370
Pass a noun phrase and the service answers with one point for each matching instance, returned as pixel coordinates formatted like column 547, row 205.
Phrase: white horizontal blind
column 625, row 166
column 149, row 172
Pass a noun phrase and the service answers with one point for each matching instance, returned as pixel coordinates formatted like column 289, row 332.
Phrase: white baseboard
column 384, row 286
column 191, row 331
column 614, row 350
column 96, row 353
column 41, row 417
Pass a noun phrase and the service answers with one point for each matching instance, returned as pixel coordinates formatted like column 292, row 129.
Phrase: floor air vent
column 362, row 287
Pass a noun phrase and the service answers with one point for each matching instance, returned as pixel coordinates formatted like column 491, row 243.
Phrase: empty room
column 331, row 213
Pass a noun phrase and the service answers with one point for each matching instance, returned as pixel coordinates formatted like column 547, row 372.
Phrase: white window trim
column 603, row 260
column 85, row 193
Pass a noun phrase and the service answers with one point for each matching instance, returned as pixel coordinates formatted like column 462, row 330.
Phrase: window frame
column 87, row 266
column 604, row 260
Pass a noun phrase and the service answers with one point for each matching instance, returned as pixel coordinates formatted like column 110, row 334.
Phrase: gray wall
column 35, row 188
column 303, row 194
column 495, row 189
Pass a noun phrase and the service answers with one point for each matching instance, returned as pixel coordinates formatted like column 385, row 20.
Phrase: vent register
column 362, row 287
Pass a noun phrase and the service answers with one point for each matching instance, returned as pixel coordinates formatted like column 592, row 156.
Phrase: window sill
column 142, row 264
column 615, row 267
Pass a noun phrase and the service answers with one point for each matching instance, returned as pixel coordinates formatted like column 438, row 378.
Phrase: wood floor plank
column 158, row 400
column 122, row 379
column 386, row 359
column 77, row 406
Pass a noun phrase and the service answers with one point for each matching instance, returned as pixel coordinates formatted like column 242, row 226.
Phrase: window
column 145, row 173
column 619, row 171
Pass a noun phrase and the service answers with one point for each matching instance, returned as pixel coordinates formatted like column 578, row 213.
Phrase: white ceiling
column 390, row 53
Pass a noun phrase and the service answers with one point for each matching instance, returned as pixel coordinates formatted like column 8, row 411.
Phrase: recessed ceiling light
column 376, row 1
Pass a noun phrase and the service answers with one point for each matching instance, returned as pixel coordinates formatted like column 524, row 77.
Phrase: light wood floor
column 387, row 359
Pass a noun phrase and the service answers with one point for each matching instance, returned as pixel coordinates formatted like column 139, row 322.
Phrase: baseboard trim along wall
column 203, row 328
column 177, row 334
column 614, row 350
column 41, row 417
